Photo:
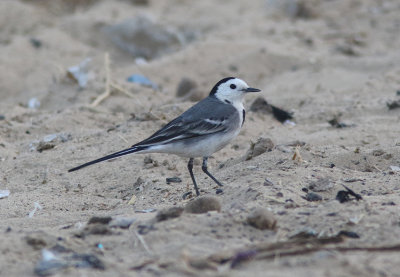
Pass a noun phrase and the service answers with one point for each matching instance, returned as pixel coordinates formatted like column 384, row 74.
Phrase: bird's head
column 231, row 89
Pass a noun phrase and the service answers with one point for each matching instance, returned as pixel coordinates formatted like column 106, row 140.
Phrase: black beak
column 251, row 90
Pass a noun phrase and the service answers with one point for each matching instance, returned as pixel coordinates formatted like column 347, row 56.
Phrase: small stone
column 122, row 222
column 33, row 103
column 173, row 180
column 99, row 219
column 312, row 196
column 139, row 2
column 202, row 264
column 4, row 193
column 141, row 37
column 49, row 142
column 300, row 9
column 290, row 204
column 390, row 203
column 149, row 162
column 35, row 42
column 233, row 68
column 378, row 152
column 394, row 168
column 142, row 80
column 262, row 219
column 393, row 104
column 36, row 242
column 169, row 213
column 203, row 204
column 296, row 143
column 304, row 234
column 349, row 234
column 95, row 229
column 260, row 105
column 347, row 49
column 268, row 182
column 261, row 146
column 87, row 261
column 323, row 184
column 335, row 122
column 219, row 191
column 40, row 239
column 185, row 87
column 187, row 195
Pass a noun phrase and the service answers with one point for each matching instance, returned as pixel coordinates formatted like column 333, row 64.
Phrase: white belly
column 198, row 147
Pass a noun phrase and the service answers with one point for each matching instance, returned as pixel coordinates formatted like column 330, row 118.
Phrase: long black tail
column 127, row 151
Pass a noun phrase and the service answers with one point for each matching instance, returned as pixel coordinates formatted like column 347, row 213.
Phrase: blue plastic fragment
column 142, row 80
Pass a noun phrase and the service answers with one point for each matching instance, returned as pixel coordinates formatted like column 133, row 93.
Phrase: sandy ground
column 318, row 59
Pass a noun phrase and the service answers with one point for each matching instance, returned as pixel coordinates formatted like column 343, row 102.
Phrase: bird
column 200, row 131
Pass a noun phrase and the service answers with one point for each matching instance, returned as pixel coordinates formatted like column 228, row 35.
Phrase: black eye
column 232, row 86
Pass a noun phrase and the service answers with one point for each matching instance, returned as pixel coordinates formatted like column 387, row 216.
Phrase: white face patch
column 231, row 91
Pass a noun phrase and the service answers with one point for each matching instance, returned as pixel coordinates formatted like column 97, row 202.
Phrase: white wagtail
column 200, row 131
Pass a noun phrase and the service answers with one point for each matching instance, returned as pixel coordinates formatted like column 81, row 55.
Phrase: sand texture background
column 319, row 59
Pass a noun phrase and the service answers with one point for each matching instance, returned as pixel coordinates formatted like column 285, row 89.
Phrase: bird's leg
column 205, row 170
column 190, row 167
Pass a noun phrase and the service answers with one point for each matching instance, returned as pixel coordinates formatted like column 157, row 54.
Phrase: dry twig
column 110, row 85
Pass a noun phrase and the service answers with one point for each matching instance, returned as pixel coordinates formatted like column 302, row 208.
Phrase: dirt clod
column 203, row 204
column 262, row 219
column 169, row 213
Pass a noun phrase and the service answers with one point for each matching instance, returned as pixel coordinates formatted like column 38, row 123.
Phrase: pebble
column 33, row 103
column 395, row 168
column 4, row 193
column 349, row 234
column 173, row 180
column 100, row 220
column 323, row 184
column 35, row 42
column 80, row 73
column 219, row 191
column 393, row 104
column 37, row 242
column 49, row 142
column 169, row 213
column 262, row 219
column 268, row 182
column 142, row 80
column 203, row 204
column 122, row 222
column 94, row 229
column 141, row 37
column 51, row 264
column 260, row 105
column 304, row 233
column 188, row 90
column 185, row 87
column 312, row 196
column 378, row 152
column 261, row 146
column 187, row 195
